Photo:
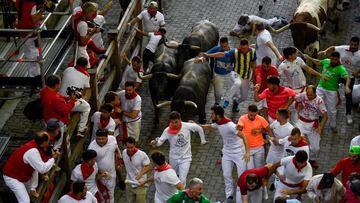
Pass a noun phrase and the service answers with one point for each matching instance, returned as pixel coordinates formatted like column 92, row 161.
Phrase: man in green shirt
column 328, row 89
column 191, row 195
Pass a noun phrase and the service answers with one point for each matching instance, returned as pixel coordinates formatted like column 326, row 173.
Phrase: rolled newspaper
column 133, row 184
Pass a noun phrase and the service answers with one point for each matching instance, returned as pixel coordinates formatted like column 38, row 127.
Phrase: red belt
column 316, row 121
column 291, row 185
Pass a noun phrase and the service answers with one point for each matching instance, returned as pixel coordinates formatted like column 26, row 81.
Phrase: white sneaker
column 349, row 119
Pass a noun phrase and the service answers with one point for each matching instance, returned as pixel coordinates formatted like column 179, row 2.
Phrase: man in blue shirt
column 244, row 59
column 222, row 69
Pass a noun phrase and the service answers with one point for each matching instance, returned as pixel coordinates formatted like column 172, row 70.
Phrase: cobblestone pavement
column 180, row 16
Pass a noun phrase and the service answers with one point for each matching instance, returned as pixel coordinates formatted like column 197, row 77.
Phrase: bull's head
column 302, row 33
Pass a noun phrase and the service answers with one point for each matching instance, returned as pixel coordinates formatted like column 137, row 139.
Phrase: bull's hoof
column 156, row 123
column 260, row 7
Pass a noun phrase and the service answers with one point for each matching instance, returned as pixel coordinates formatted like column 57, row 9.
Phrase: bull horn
column 309, row 25
column 282, row 29
column 170, row 75
column 163, row 104
column 193, row 47
column 144, row 77
column 314, row 27
column 190, row 103
column 171, row 46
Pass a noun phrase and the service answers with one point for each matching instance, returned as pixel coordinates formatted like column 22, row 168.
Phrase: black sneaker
column 235, row 107
column 272, row 187
column 229, row 199
column 122, row 185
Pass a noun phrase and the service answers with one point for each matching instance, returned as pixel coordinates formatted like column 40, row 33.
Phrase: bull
column 204, row 34
column 170, row 58
column 190, row 96
column 309, row 18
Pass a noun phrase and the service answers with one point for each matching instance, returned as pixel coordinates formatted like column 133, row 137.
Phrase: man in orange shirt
column 253, row 126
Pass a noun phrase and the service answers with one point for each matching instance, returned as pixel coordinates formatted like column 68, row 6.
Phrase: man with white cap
column 152, row 19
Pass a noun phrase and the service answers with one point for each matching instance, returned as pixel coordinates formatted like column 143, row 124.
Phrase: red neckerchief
column 223, row 121
column 296, row 166
column 132, row 154
column 103, row 191
column 72, row 195
column 163, row 167
column 86, row 170
column 104, row 122
column 172, row 130
column 157, row 33
column 115, row 114
column 243, row 53
column 83, row 70
column 132, row 96
column 301, row 143
column 187, row 191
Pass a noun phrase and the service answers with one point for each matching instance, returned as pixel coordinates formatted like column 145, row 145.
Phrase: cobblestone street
column 179, row 17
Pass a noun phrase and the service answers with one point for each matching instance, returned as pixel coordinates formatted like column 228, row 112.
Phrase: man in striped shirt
column 245, row 61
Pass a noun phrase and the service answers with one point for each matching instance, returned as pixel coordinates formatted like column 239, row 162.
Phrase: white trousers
column 238, row 84
column 83, row 107
column 83, row 53
column 181, row 167
column 227, row 163
column 330, row 99
column 31, row 52
column 20, row 189
column 313, row 137
column 110, row 184
column 219, row 82
column 257, row 158
column 256, row 195
column 133, row 129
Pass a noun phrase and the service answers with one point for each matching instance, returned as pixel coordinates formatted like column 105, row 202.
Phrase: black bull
column 190, row 96
column 170, row 58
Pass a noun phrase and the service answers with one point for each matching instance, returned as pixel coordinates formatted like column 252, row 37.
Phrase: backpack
column 33, row 110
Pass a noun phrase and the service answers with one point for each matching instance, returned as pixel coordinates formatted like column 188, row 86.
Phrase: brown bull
column 308, row 20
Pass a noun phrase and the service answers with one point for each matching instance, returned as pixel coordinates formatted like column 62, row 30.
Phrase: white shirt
column 100, row 20
column 33, row 158
column 153, row 42
column 95, row 119
column 151, row 24
column 291, row 173
column 313, row 109
column 129, row 75
column 165, row 184
column 90, row 181
column 355, row 141
column 351, row 60
column 293, row 72
column 180, row 146
column 129, row 105
column 89, row 198
column 105, row 158
column 280, row 131
column 290, row 150
column 327, row 195
column 73, row 77
column 262, row 49
column 232, row 143
column 135, row 164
